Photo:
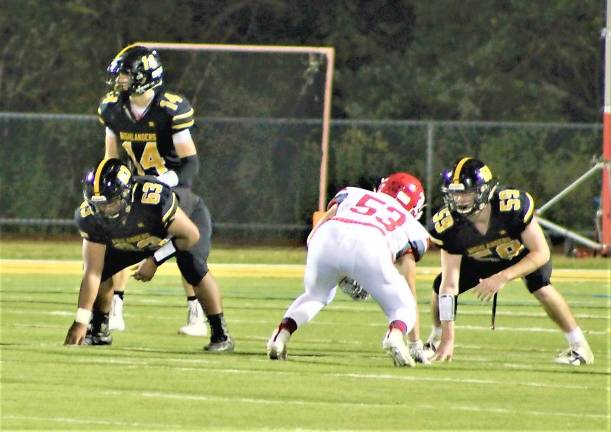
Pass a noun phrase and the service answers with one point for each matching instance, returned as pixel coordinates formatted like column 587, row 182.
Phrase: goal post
column 328, row 52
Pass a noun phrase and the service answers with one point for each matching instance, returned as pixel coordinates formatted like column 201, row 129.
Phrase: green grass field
column 337, row 377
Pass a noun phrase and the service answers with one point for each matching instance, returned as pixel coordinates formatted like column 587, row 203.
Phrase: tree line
column 512, row 60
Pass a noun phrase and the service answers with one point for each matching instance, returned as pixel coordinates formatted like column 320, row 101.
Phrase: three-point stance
column 488, row 236
column 362, row 236
column 127, row 220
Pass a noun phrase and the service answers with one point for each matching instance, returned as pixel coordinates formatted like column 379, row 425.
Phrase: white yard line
column 70, row 420
column 409, row 406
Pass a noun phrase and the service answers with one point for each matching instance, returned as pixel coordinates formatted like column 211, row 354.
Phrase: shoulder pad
column 179, row 109
column 108, row 100
column 338, row 198
column 516, row 203
column 440, row 222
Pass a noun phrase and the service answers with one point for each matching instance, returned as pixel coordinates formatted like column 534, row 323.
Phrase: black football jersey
column 512, row 210
column 148, row 141
column 152, row 209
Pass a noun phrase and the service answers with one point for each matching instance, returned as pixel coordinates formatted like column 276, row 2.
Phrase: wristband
column 446, row 307
column 83, row 316
column 164, row 253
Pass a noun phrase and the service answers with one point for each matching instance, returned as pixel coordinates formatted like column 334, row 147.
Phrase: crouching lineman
column 127, row 220
column 362, row 236
column 488, row 236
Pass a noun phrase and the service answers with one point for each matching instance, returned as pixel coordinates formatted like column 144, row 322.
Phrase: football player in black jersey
column 127, row 220
column 488, row 236
column 151, row 126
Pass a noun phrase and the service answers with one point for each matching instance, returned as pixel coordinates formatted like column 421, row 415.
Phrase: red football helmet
column 406, row 189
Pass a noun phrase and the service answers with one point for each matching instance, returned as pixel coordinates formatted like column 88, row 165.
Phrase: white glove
column 169, row 178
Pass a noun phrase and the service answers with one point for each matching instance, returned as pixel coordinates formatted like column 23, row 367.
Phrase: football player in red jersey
column 151, row 126
column 127, row 220
column 373, row 238
column 488, row 236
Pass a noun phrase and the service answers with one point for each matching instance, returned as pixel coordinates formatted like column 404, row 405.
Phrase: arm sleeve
column 189, row 167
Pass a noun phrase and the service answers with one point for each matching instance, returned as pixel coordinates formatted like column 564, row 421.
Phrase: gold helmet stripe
column 120, row 53
column 459, row 165
column 98, row 174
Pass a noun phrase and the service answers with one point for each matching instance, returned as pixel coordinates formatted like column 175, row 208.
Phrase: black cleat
column 226, row 345
column 98, row 339
column 98, row 334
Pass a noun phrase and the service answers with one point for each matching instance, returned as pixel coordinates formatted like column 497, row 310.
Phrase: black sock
column 98, row 318
column 191, row 298
column 119, row 293
column 218, row 327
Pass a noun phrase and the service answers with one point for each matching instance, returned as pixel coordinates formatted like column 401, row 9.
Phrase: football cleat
column 226, row 345
column 196, row 326
column 101, row 337
column 576, row 355
column 353, row 289
column 276, row 346
column 431, row 345
column 416, row 350
column 116, row 321
column 394, row 345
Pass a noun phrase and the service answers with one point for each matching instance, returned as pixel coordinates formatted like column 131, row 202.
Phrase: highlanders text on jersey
column 403, row 233
column 152, row 209
column 511, row 211
column 148, row 140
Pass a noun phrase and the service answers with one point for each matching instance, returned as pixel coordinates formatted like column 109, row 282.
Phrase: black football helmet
column 141, row 64
column 468, row 186
column 107, row 189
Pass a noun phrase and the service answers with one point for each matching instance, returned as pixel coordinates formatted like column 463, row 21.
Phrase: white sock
column 437, row 331
column 575, row 336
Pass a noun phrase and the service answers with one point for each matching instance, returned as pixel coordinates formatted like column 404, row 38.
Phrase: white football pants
column 360, row 252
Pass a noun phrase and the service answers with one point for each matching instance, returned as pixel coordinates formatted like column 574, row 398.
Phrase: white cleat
column 416, row 350
column 196, row 326
column 115, row 320
column 576, row 355
column 276, row 346
column 394, row 345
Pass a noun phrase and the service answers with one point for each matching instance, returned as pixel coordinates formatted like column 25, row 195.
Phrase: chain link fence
column 259, row 177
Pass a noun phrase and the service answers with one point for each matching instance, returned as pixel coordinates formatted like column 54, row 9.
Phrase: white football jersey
column 404, row 234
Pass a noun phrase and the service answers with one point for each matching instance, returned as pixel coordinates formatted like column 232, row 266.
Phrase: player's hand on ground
column 487, row 287
column 145, row 270
column 445, row 351
column 76, row 334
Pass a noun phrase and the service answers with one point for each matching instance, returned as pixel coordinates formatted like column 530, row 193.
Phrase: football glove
column 353, row 289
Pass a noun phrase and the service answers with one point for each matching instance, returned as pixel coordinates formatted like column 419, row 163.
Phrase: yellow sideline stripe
column 14, row 266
